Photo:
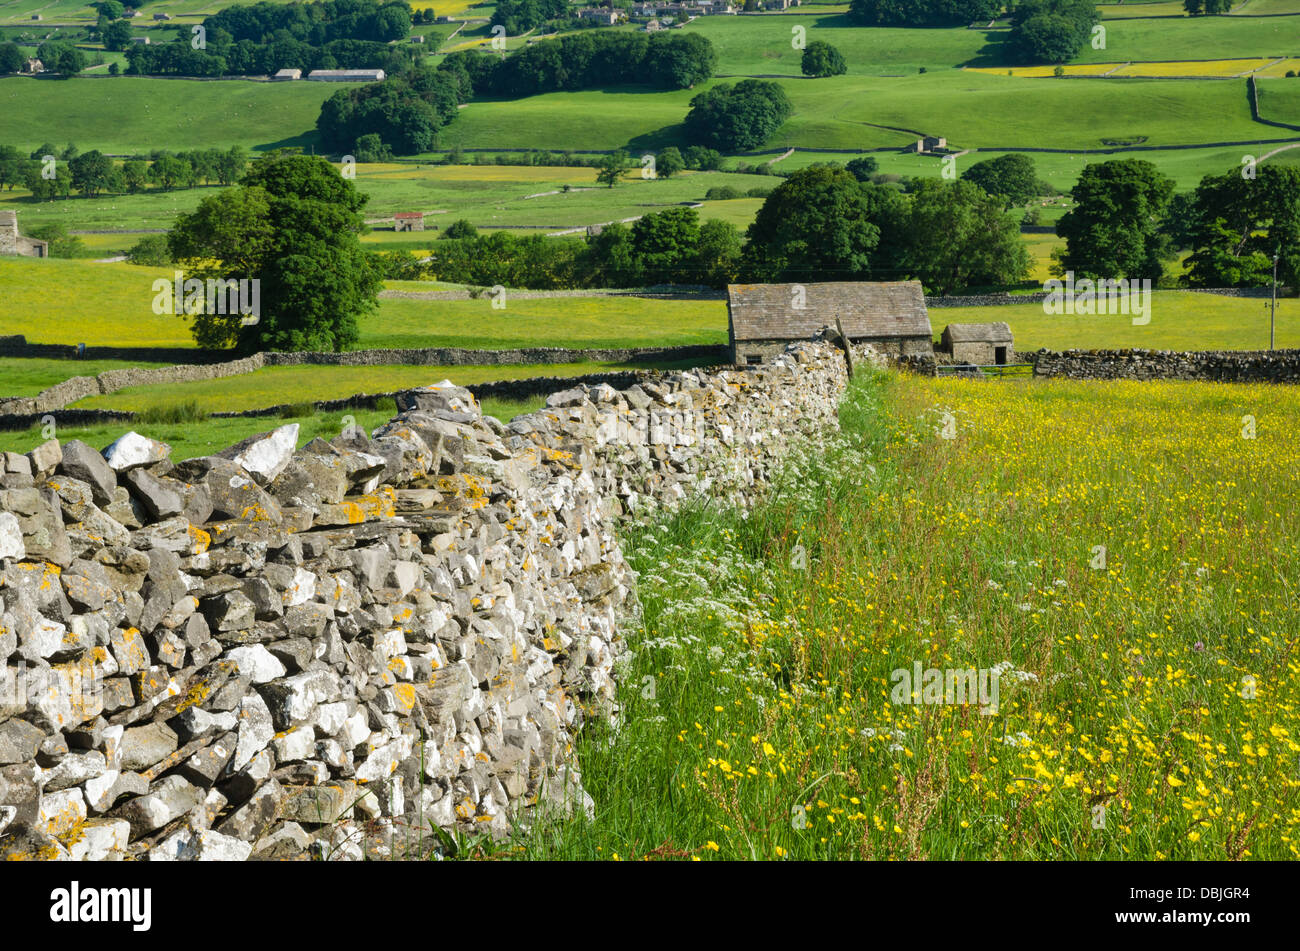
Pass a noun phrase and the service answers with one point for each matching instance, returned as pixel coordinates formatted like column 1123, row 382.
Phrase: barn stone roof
column 995, row 332
column 886, row 309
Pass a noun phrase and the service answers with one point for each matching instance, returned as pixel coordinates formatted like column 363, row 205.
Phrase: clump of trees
column 1011, row 177
column 733, row 118
column 520, row 16
column 1212, row 7
column 1235, row 224
column 1051, row 31
column 820, row 59
column 589, row 60
column 402, row 113
column 824, row 224
column 263, row 38
column 922, row 12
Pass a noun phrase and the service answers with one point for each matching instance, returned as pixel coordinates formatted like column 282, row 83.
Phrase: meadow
column 111, row 305
column 1126, row 567
column 1179, row 320
column 292, row 385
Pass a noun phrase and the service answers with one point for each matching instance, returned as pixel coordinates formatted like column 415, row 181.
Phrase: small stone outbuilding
column 981, row 344
column 11, row 242
column 764, row 318
column 408, row 221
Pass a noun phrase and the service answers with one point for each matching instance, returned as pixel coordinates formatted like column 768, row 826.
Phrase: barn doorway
column 999, row 355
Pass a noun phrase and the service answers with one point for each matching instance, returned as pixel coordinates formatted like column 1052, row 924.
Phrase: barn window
column 753, row 359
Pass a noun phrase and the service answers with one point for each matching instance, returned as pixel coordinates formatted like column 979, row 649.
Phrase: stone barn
column 981, row 344
column 764, row 318
column 408, row 221
column 11, row 242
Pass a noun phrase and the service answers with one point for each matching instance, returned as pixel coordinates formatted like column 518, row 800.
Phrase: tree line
column 263, row 38
column 50, row 172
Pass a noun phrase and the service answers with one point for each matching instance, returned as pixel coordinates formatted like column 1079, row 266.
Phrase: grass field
column 277, row 385
column 132, row 114
column 1157, row 683
column 1194, row 68
column 490, row 196
column 27, row 376
column 111, row 305
column 1180, row 320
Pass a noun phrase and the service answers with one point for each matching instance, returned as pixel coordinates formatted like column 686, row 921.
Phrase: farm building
column 11, row 242
column 162, row 16
column 764, row 318
column 140, row 39
column 34, row 66
column 346, row 75
column 408, row 221
column 930, row 143
column 981, row 344
column 286, row 75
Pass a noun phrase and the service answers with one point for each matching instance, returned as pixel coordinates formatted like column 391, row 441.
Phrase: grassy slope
column 130, row 114
column 772, row 729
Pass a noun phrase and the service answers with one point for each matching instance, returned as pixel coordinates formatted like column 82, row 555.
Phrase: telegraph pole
column 1272, row 312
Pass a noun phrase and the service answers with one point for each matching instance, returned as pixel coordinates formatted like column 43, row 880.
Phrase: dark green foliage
column 1113, row 231
column 1237, row 223
column 405, row 112
column 862, row 168
column 292, row 223
column 820, row 59
column 151, row 250
column 733, row 118
column 1051, row 31
column 922, row 12
column 1011, row 177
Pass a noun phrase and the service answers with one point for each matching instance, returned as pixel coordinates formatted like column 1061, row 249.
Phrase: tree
column 612, row 167
column 152, row 251
column 1011, row 177
column 293, row 223
column 820, row 59
column 669, row 162
column 62, row 58
column 814, row 226
column 1051, row 31
column 608, row 260
column 135, row 174
column 231, row 165
column 12, row 59
column 460, row 229
column 91, row 172
column 735, row 118
column 862, row 168
column 959, row 236
column 169, row 171
column 62, row 244
column 701, row 158
column 717, row 253
column 111, row 9
column 117, row 35
column 13, row 166
column 1113, row 231
column 1237, row 225
column 664, row 241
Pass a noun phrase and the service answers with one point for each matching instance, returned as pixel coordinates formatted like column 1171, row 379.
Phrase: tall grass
column 1145, row 705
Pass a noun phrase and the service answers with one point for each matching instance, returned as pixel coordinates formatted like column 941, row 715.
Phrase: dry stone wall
column 280, row 653
column 1227, row 366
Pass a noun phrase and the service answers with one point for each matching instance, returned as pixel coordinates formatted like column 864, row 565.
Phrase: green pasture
column 78, row 301
column 1179, row 320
